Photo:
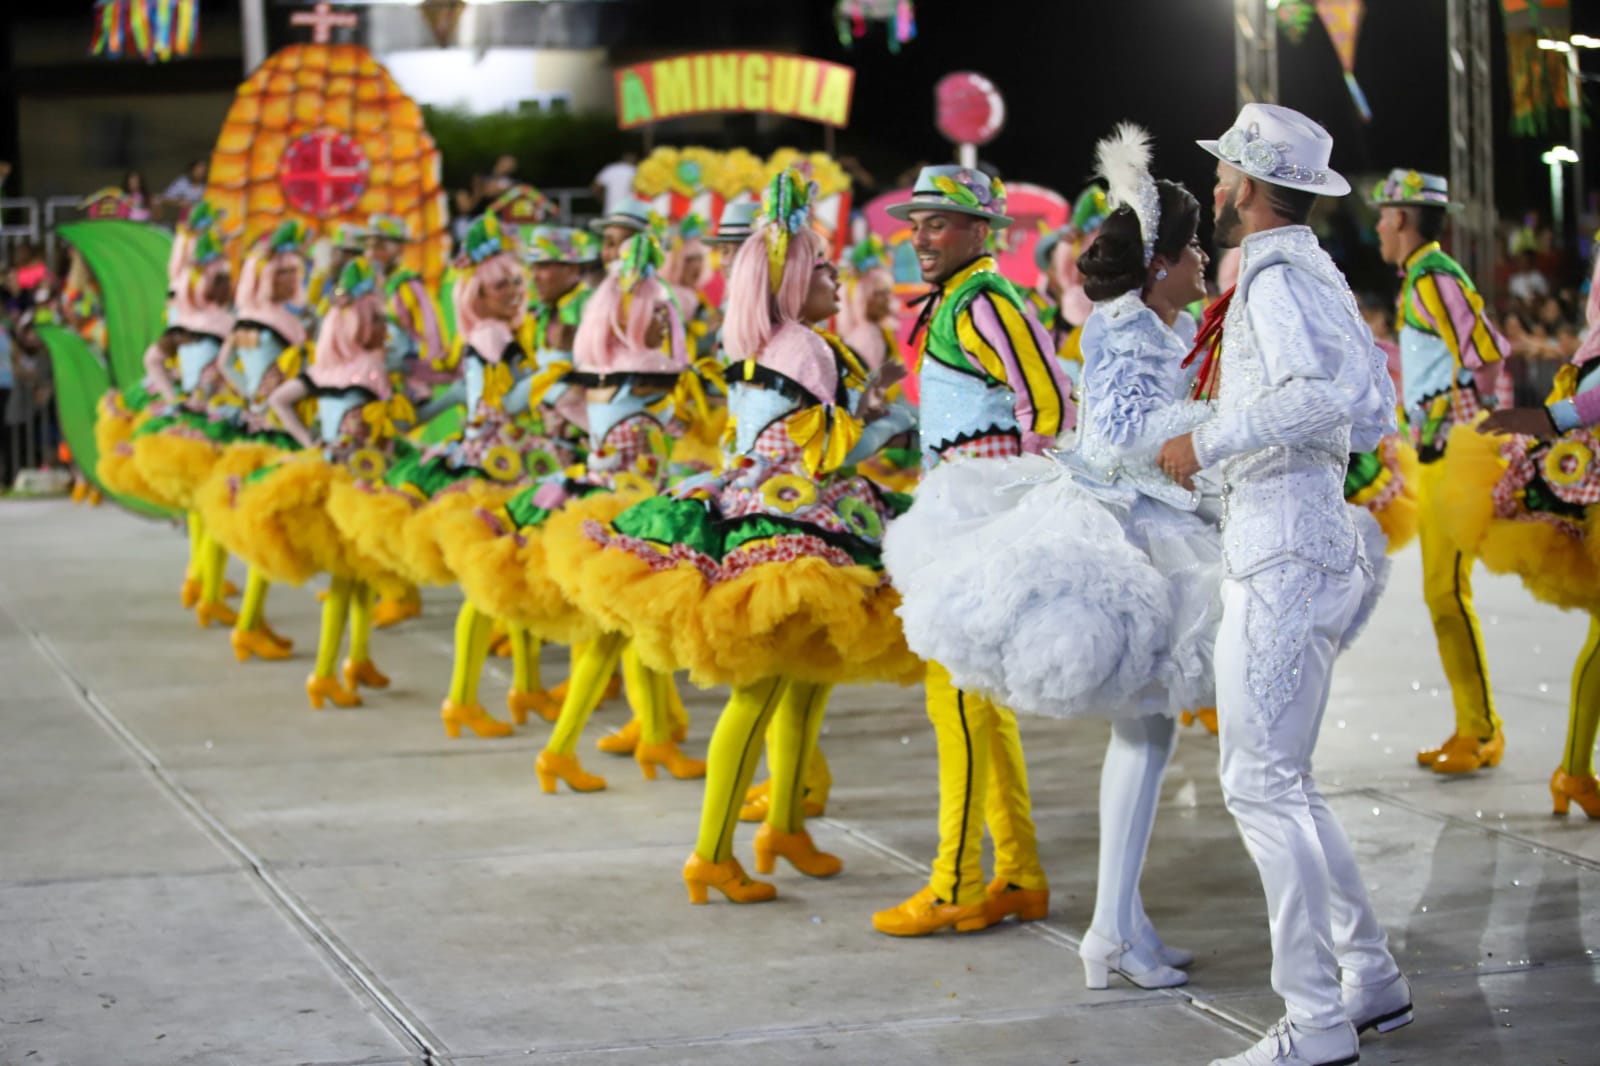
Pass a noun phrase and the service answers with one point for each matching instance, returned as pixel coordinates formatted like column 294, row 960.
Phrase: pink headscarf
column 489, row 337
column 340, row 362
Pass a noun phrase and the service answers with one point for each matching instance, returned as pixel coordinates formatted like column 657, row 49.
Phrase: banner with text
column 719, row 82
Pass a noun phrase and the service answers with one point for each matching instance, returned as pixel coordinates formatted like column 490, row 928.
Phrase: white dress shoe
column 1102, row 957
column 1287, row 1045
column 1163, row 953
column 1384, row 1007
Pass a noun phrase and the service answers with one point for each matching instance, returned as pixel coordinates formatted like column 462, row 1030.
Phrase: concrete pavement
column 196, row 868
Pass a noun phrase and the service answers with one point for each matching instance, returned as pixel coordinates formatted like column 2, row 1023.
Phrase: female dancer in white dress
column 1083, row 583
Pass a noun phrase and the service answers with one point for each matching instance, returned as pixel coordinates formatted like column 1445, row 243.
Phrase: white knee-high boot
column 1130, row 789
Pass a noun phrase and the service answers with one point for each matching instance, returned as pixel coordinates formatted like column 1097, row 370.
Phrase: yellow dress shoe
column 474, row 717
column 679, row 765
column 189, row 593
column 728, row 878
column 758, row 801
column 319, row 690
column 1464, row 754
column 208, row 614
column 538, row 701
column 552, row 767
column 363, row 675
column 623, row 741
column 798, row 848
column 926, row 913
column 387, row 612
column 1005, row 899
column 1567, row 789
column 254, row 642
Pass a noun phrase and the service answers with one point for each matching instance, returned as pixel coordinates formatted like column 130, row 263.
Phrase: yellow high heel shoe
column 1566, row 789
column 552, row 767
column 319, row 690
column 80, row 491
column 272, row 634
column 474, row 717
column 797, row 848
column 626, row 739
column 1206, row 716
column 538, row 701
column 189, row 593
column 679, row 765
column 728, row 878
column 214, row 613
column 758, row 800
column 500, row 646
column 387, row 612
column 258, row 643
column 363, row 675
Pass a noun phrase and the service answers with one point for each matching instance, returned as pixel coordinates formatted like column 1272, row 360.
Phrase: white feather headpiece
column 1123, row 159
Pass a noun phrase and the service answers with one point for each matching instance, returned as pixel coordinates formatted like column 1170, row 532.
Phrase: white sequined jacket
column 1302, row 385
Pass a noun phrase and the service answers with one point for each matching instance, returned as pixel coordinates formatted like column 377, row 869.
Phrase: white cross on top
column 322, row 20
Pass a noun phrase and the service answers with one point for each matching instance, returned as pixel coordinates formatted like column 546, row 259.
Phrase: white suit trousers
column 1271, row 695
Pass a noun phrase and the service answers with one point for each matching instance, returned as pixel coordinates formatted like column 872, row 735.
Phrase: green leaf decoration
column 129, row 262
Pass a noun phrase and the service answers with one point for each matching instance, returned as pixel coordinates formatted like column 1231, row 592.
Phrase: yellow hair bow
column 826, row 434
column 497, row 381
column 547, row 379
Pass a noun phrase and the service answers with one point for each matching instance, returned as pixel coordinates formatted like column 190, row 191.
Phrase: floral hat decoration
column 356, row 280
column 962, row 190
column 202, row 216
column 641, row 257
column 389, row 228
column 561, row 244
column 1412, row 188
column 868, row 254
column 206, row 250
column 786, row 208
column 486, row 238
column 290, row 236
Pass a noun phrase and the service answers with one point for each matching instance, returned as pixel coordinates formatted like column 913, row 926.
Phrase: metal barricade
column 19, row 221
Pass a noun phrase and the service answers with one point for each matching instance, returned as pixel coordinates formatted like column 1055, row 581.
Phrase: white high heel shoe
column 1162, row 952
column 1101, row 957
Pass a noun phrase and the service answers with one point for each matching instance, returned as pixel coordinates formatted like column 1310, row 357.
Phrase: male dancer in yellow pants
column 1451, row 369
column 990, row 386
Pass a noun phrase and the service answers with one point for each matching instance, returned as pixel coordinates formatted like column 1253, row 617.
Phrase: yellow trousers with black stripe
column 1447, row 589
column 983, row 781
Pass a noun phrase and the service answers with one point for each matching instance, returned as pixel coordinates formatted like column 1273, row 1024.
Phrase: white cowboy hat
column 1280, row 146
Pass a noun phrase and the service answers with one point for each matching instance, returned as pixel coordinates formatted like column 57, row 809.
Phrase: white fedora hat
column 1280, row 146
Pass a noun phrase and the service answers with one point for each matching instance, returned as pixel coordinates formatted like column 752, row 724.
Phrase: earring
column 1161, row 275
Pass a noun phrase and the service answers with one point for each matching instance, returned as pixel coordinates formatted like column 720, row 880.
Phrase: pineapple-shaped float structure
column 321, row 132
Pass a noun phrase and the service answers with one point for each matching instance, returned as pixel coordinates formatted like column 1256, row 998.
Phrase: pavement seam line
column 1047, row 931
column 1537, row 846
column 397, row 1018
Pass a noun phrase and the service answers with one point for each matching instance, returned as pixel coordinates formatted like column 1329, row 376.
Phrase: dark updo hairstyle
column 1114, row 263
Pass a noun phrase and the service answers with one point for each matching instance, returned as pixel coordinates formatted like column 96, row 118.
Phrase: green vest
column 1433, row 260
column 942, row 342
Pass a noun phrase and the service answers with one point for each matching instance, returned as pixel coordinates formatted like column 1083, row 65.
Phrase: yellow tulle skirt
column 1400, row 516
column 113, row 434
column 808, row 619
column 174, row 466
column 1558, row 564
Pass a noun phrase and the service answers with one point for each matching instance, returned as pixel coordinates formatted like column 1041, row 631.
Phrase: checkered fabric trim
column 626, row 449
column 990, row 446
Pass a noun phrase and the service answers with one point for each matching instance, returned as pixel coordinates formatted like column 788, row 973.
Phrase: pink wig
column 492, row 335
column 1591, row 316
column 253, row 295
column 1075, row 303
column 858, row 294
column 754, row 314
column 673, row 269
column 606, row 344
column 340, row 361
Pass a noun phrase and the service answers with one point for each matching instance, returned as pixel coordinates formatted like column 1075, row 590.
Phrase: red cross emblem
column 323, row 173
